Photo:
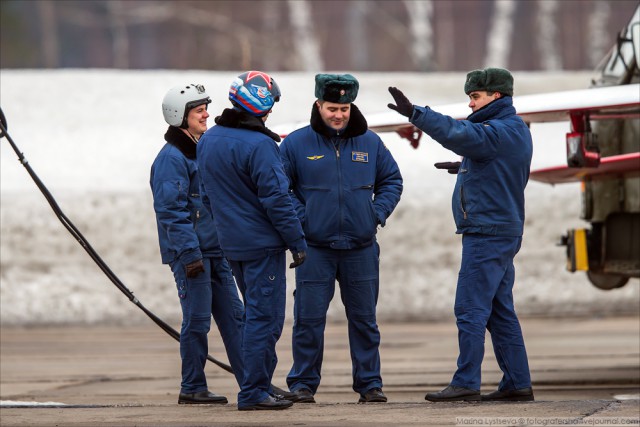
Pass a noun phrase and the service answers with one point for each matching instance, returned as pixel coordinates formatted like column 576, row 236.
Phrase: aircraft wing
column 610, row 102
column 623, row 165
column 601, row 102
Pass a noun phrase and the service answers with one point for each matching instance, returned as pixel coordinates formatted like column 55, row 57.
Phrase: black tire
column 606, row 282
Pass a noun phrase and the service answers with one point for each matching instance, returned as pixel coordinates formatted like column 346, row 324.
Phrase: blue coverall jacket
column 251, row 179
column 343, row 185
column 496, row 147
column 185, row 227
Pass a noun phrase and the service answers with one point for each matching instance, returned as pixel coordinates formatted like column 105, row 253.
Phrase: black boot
column 520, row 395
column 301, row 395
column 373, row 395
column 269, row 404
column 453, row 393
column 200, row 398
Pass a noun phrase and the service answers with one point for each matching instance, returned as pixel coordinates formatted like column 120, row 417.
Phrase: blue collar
column 496, row 109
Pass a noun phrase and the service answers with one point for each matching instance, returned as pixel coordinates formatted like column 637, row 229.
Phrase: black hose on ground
column 87, row 247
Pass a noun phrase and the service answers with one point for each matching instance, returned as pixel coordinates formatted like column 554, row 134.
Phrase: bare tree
column 289, row 35
column 446, row 35
column 598, row 36
column 270, row 24
column 49, row 33
column 119, row 34
column 357, row 34
column 160, row 11
column 500, row 34
column 420, row 20
column 304, row 36
column 546, row 18
column 125, row 15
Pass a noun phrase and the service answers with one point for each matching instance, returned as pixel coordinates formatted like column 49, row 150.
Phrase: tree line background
column 310, row 35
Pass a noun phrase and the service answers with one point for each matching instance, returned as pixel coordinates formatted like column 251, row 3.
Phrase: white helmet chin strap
column 195, row 140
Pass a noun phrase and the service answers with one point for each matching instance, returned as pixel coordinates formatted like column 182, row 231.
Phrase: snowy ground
column 91, row 137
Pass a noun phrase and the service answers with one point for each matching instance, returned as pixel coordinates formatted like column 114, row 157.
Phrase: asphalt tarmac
column 586, row 371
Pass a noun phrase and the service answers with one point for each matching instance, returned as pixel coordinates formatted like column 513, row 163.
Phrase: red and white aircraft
column 580, row 107
column 603, row 153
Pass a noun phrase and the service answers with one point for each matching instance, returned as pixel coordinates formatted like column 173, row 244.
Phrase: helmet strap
column 193, row 138
column 189, row 134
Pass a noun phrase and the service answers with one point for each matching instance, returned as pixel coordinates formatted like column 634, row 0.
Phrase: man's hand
column 404, row 106
column 298, row 258
column 451, row 167
column 195, row 268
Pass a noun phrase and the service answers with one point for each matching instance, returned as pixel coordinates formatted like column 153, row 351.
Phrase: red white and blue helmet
column 255, row 92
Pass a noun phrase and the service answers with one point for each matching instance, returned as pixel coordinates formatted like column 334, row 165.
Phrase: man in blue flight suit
column 189, row 244
column 488, row 208
column 244, row 179
column 344, row 183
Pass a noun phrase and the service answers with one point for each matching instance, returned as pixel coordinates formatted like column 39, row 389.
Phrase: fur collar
column 181, row 141
column 233, row 118
column 357, row 124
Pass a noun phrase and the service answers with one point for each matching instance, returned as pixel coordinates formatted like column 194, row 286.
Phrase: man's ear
column 497, row 95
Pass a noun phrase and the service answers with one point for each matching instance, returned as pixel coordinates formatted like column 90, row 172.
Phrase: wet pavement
column 586, row 371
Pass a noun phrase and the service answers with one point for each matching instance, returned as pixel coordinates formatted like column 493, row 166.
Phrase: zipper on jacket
column 195, row 224
column 340, row 204
column 464, row 212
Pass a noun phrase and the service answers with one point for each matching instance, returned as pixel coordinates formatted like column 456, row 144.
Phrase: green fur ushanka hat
column 338, row 88
column 490, row 80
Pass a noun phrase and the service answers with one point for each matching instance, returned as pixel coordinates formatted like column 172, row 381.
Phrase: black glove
column 298, row 258
column 451, row 167
column 195, row 268
column 404, row 106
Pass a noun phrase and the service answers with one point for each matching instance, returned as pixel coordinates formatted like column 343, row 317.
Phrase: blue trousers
column 262, row 283
column 484, row 300
column 357, row 272
column 212, row 292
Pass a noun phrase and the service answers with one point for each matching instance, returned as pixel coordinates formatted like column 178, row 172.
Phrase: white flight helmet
column 179, row 100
